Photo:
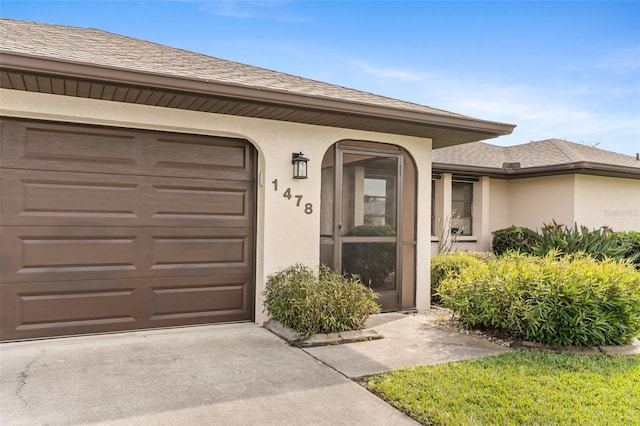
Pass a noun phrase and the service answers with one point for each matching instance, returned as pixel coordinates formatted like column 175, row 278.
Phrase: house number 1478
column 308, row 207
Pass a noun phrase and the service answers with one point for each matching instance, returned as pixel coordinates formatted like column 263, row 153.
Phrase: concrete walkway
column 408, row 341
column 235, row 374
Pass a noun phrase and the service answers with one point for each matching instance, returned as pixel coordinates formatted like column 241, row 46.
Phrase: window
column 376, row 211
column 461, row 208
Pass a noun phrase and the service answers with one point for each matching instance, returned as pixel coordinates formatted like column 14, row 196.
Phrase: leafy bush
column 631, row 243
column 513, row 238
column 448, row 265
column 326, row 303
column 599, row 243
column 555, row 300
column 485, row 256
column 371, row 230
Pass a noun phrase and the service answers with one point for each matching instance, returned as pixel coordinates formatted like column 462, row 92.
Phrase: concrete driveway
column 234, row 374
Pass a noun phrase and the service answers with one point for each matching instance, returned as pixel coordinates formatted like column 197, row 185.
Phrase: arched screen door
column 365, row 238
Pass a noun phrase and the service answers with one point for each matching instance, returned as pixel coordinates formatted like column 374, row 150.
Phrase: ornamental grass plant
column 601, row 243
column 555, row 300
column 446, row 266
column 312, row 303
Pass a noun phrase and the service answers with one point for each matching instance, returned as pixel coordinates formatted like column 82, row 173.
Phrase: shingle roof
column 93, row 46
column 91, row 63
column 550, row 154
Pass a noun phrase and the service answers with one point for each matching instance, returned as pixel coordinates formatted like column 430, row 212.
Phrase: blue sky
column 560, row 69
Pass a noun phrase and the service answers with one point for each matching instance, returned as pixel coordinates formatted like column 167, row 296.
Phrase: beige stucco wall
column 534, row 201
column 499, row 205
column 614, row 202
column 285, row 234
column 592, row 201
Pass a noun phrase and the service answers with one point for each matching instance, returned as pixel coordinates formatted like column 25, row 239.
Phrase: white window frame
column 457, row 216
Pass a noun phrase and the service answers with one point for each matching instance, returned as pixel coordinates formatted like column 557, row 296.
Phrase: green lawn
column 518, row 388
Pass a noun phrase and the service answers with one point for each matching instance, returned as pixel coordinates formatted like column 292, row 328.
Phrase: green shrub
column 599, row 243
column 630, row 241
column 372, row 230
column 485, row 256
column 513, row 238
column 448, row 265
column 326, row 303
column 568, row 300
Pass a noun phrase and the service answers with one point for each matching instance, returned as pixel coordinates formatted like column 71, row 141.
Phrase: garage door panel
column 200, row 251
column 221, row 201
column 76, row 253
column 45, row 146
column 70, row 253
column 201, row 297
column 61, row 198
column 41, row 309
column 195, row 156
column 58, row 147
column 81, row 198
column 42, row 198
column 77, row 308
column 85, row 253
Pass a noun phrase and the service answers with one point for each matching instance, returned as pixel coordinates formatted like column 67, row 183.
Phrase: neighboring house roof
column 547, row 157
column 93, row 63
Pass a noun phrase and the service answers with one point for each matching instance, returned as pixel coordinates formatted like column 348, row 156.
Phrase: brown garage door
column 107, row 229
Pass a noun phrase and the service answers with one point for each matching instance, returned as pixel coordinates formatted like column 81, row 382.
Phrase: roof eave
column 483, row 129
column 582, row 167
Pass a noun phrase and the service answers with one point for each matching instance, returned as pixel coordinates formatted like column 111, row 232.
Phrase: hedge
column 555, row 300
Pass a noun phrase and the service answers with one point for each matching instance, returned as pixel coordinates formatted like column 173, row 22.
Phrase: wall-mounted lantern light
column 299, row 165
